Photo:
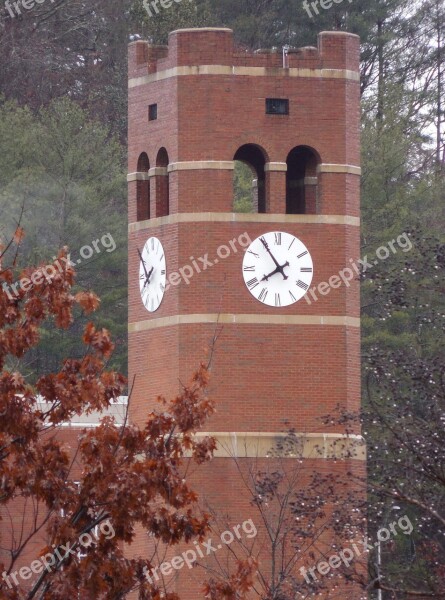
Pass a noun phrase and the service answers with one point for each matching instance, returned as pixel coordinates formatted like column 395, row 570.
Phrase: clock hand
column 147, row 278
column 266, row 245
column 147, row 275
column 142, row 261
column 279, row 269
column 266, row 277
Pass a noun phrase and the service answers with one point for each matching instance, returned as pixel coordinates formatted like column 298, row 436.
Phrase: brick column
column 138, row 196
column 311, row 195
column 275, row 187
column 161, row 191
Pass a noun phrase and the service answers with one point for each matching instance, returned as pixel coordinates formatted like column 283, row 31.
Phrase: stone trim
column 243, row 319
column 190, row 165
column 194, row 29
column 325, row 446
column 138, row 176
column 275, row 166
column 243, row 72
column 332, row 168
column 116, row 409
column 158, row 171
column 269, row 218
column 341, row 33
column 300, row 183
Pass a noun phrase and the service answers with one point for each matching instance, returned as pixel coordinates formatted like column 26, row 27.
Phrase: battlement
column 215, row 46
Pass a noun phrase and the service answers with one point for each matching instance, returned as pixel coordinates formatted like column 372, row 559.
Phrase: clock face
column 277, row 269
column 152, row 274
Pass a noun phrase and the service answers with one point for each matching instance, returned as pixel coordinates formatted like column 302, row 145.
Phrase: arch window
column 249, row 180
column 162, row 185
column 143, row 189
column 301, row 181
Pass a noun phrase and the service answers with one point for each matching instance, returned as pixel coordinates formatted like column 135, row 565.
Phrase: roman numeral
column 263, row 295
column 302, row 254
column 252, row 283
column 256, row 255
column 249, row 269
column 291, row 244
column 163, row 272
column 277, row 300
column 278, row 239
column 152, row 243
column 263, row 241
column 292, row 296
column 152, row 304
column 306, row 269
column 303, row 285
column 162, row 288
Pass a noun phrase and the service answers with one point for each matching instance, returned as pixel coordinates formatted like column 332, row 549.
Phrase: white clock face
column 277, row 269
column 152, row 274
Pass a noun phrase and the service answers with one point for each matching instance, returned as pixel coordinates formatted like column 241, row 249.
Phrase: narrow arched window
column 162, row 184
column 143, row 188
column 302, row 181
column 249, row 179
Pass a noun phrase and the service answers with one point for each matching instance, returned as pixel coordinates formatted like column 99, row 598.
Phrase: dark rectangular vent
column 152, row 112
column 277, row 106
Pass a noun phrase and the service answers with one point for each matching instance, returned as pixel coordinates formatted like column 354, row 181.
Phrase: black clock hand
column 266, row 245
column 142, row 261
column 279, row 269
column 147, row 275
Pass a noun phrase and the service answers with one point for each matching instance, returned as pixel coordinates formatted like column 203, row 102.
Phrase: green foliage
column 242, row 188
column 403, row 323
column 182, row 14
column 64, row 173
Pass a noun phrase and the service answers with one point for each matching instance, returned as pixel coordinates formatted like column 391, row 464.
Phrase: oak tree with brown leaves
column 52, row 493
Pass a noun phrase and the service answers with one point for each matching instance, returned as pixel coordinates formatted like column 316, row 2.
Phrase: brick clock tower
column 283, row 357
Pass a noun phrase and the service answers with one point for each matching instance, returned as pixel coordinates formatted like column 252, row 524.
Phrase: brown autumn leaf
column 88, row 301
column 19, row 235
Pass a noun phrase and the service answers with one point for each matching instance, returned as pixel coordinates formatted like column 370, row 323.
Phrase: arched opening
column 249, row 166
column 244, row 188
column 301, row 181
column 143, row 189
column 162, row 186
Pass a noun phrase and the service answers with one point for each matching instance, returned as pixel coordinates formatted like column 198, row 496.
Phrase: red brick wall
column 209, row 117
column 264, row 377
